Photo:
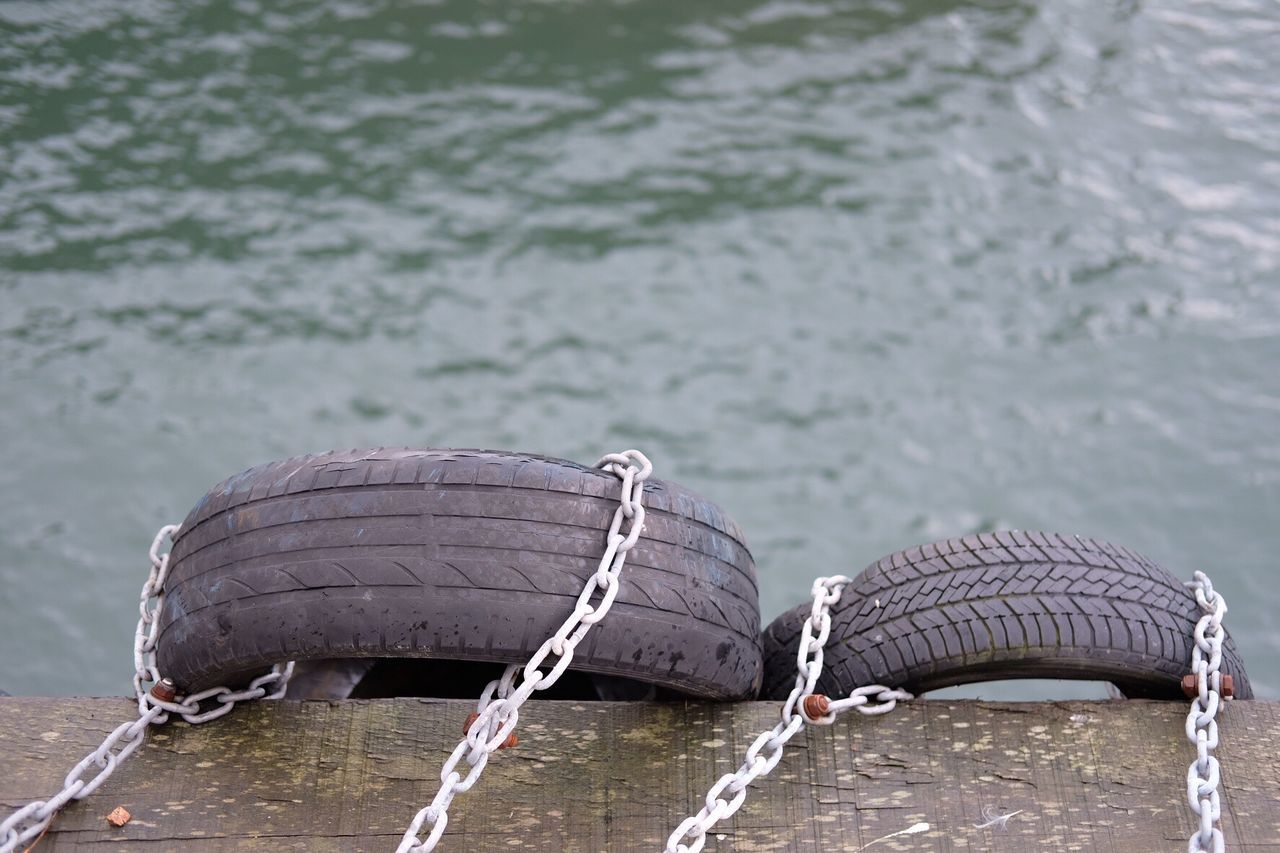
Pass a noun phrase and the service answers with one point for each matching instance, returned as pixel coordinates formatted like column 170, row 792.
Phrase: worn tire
column 454, row 554
column 1001, row 606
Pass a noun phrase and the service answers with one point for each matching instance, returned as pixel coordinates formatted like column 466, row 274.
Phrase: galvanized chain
column 493, row 725
column 802, row 706
column 1204, row 774
column 31, row 820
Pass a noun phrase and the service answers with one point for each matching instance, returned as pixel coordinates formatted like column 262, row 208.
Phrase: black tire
column 1002, row 606
column 453, row 554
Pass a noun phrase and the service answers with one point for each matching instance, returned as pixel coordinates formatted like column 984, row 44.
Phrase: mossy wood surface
column 349, row 775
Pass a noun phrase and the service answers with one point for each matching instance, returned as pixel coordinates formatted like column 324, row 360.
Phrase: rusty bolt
column 511, row 740
column 816, row 705
column 1190, row 688
column 165, row 690
column 119, row 816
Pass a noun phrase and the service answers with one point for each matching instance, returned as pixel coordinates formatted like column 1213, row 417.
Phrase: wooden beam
column 330, row 776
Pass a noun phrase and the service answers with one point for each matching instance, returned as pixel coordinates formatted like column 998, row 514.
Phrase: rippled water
column 868, row 274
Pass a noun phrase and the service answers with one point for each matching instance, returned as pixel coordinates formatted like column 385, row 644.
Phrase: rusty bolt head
column 1192, row 690
column 165, row 690
column 511, row 740
column 816, row 705
column 119, row 816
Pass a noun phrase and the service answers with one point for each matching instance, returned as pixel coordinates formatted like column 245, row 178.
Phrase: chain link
column 495, row 718
column 802, row 706
column 1204, row 774
column 32, row 819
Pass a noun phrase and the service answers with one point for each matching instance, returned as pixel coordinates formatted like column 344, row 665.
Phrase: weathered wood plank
column 349, row 775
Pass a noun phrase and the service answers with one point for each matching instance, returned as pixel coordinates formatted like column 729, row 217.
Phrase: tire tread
column 1004, row 605
column 332, row 554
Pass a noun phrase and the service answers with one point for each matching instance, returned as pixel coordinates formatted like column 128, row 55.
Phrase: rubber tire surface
column 1002, row 606
column 458, row 554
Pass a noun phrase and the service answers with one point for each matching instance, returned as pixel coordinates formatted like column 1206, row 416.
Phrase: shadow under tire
column 1002, row 606
column 457, row 555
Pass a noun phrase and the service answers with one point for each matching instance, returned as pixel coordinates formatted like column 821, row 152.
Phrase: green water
column 867, row 274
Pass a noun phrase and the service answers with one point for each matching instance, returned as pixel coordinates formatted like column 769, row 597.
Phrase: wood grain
column 330, row 776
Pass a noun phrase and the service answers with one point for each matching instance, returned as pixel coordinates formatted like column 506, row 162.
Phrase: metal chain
column 32, row 819
column 493, row 725
column 1202, row 726
column 802, row 706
